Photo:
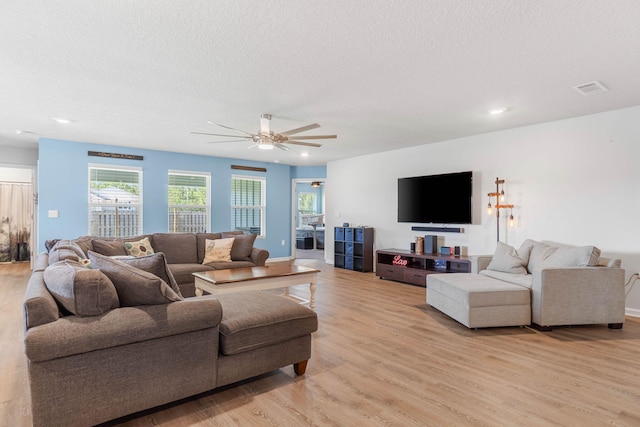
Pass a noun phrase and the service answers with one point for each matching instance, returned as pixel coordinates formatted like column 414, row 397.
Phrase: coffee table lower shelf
column 273, row 276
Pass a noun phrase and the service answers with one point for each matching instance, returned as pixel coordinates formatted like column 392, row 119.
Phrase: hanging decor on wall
column 499, row 204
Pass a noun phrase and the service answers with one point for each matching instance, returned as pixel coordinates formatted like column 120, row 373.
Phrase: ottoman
column 260, row 331
column 478, row 301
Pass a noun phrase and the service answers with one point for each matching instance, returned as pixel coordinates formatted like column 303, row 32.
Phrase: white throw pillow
column 583, row 256
column 218, row 250
column 139, row 248
column 508, row 260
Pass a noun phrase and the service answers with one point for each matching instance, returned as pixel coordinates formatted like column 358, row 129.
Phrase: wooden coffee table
column 271, row 276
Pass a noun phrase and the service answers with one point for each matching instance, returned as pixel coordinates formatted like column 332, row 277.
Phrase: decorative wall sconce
column 499, row 204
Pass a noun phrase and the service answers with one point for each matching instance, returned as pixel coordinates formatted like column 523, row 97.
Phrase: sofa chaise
column 542, row 284
column 107, row 337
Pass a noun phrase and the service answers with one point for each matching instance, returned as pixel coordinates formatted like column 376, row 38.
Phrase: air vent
column 591, row 88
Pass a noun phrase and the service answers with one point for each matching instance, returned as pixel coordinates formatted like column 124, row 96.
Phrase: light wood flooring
column 382, row 357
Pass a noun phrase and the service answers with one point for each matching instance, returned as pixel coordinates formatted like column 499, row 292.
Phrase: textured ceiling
column 381, row 74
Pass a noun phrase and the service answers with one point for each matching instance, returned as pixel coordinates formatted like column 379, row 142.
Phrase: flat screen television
column 442, row 199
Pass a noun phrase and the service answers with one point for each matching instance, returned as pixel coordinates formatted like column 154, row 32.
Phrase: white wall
column 574, row 181
column 10, row 155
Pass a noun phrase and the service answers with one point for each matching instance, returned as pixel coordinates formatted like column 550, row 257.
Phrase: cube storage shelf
column 353, row 248
column 410, row 267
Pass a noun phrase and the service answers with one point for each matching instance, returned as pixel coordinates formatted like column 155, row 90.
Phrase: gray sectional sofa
column 108, row 336
column 541, row 283
column 184, row 252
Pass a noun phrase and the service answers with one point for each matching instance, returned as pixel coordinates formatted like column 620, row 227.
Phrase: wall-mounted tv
column 442, row 199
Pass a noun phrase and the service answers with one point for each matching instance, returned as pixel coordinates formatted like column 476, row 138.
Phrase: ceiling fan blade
column 280, row 146
column 308, row 144
column 219, row 134
column 302, row 129
column 315, row 137
column 228, row 127
column 230, row 140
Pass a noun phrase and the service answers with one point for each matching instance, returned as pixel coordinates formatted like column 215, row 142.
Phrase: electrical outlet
column 283, row 243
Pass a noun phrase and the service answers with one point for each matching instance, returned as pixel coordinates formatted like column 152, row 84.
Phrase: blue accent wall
column 63, row 186
column 302, row 172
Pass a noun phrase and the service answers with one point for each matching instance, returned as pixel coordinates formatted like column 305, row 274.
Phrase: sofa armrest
column 259, row 256
column 577, row 295
column 480, row 262
column 74, row 335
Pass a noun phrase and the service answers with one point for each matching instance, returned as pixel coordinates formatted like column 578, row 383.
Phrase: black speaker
column 456, row 250
column 430, row 244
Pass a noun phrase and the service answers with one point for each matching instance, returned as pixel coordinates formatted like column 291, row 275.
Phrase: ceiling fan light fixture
column 265, row 146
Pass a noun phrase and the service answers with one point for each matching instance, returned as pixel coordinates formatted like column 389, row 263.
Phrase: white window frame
column 262, row 208
column 138, row 205
column 171, row 227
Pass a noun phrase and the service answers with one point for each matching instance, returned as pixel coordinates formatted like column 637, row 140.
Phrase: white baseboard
column 632, row 312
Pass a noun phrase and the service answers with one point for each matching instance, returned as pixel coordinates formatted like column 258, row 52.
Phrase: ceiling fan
column 266, row 139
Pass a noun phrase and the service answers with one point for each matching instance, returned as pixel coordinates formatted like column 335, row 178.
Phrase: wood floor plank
column 383, row 357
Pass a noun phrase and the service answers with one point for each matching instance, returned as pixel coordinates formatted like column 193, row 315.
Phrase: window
column 189, row 203
column 307, row 204
column 248, row 201
column 115, row 201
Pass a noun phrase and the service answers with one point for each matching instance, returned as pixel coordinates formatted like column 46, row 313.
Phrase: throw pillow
column 65, row 249
column 242, row 246
column 538, row 253
column 155, row 264
column 134, row 286
column 218, row 250
column 80, row 290
column 108, row 247
column 584, row 256
column 139, row 248
column 508, row 260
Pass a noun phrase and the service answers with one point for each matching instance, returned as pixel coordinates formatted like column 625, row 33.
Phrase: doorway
column 17, row 209
column 308, row 219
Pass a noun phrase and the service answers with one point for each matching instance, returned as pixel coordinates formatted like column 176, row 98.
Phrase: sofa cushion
column 583, row 256
column 180, row 248
column 39, row 305
column 476, row 290
column 524, row 280
column 85, row 244
column 80, row 290
column 183, row 273
column 218, row 250
column 242, row 245
column 201, row 238
column 65, row 249
column 538, row 253
column 255, row 319
column 134, row 286
column 114, row 246
column 108, row 247
column 230, row 264
column 139, row 248
column 507, row 259
column 155, row 264
column 544, row 256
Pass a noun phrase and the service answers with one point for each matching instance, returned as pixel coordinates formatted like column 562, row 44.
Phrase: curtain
column 16, row 218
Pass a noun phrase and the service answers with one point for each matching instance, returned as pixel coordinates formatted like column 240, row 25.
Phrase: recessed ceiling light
column 497, row 111
column 304, row 154
column 61, row 120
